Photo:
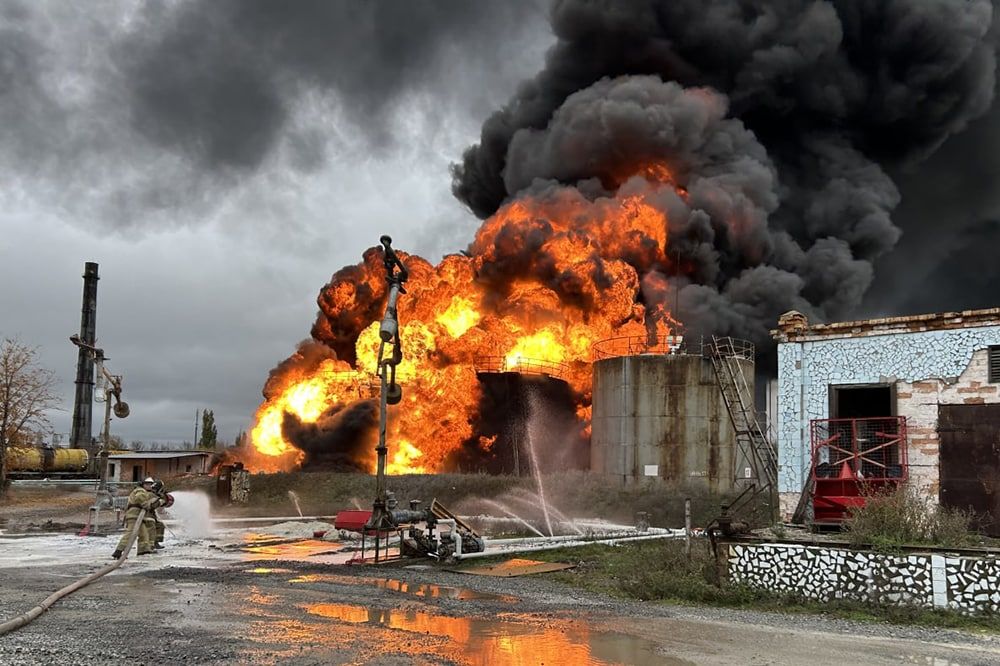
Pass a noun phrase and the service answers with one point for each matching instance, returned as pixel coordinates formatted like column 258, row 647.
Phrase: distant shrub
column 889, row 520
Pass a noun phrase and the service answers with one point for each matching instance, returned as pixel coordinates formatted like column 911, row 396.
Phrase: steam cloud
column 781, row 119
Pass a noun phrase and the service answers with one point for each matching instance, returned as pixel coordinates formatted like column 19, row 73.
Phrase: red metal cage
column 853, row 459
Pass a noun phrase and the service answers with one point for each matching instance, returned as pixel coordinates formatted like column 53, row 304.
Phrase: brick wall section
column 918, row 401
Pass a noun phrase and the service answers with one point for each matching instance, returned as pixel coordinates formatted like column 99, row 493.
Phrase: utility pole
column 197, row 415
column 111, row 387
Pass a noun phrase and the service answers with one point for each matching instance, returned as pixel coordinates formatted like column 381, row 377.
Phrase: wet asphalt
column 277, row 611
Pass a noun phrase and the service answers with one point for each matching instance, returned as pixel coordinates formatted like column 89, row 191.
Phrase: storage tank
column 523, row 403
column 659, row 412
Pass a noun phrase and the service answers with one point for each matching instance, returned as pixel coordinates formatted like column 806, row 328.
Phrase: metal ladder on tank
column 737, row 393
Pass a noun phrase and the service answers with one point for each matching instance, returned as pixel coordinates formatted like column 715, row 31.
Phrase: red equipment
column 853, row 459
column 352, row 520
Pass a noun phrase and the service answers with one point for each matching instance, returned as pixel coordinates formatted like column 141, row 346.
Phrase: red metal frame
column 853, row 459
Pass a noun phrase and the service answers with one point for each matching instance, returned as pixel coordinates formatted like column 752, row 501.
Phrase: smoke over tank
column 662, row 415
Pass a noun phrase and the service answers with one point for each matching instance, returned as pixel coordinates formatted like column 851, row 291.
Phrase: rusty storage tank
column 658, row 412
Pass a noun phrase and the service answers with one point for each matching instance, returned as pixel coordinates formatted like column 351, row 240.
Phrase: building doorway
column 862, row 401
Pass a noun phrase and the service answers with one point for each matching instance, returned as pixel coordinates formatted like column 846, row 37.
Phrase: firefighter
column 142, row 497
column 158, row 524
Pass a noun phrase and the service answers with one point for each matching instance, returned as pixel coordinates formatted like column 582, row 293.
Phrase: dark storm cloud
column 218, row 78
column 147, row 116
column 836, row 94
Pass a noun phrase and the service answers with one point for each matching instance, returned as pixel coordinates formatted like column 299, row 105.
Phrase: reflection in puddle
column 267, row 570
column 310, row 550
column 415, row 589
column 504, row 642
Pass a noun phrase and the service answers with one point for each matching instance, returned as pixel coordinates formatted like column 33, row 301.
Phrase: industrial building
column 884, row 400
column 133, row 467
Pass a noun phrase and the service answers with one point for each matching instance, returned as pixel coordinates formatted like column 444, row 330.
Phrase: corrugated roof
column 159, row 454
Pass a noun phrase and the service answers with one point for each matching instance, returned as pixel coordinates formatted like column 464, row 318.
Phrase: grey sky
column 211, row 256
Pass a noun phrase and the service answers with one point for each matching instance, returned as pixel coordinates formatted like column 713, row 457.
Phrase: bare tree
column 27, row 391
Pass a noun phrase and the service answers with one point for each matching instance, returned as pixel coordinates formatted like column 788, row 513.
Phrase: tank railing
column 521, row 365
column 366, row 383
column 733, row 348
column 637, row 345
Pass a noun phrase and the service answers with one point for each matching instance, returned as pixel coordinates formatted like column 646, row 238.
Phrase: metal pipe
column 381, row 449
column 389, row 328
column 566, row 544
column 454, row 533
column 389, row 335
column 687, row 527
column 657, row 531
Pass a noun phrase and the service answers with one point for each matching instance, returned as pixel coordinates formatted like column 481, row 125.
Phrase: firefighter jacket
column 140, row 498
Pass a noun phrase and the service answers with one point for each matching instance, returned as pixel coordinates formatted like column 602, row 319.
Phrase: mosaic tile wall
column 805, row 369
column 967, row 584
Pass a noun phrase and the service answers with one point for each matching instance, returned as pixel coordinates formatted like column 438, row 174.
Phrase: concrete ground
column 240, row 596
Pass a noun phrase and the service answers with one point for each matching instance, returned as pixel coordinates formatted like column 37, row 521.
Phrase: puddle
column 307, row 550
column 425, row 590
column 267, row 570
column 505, row 642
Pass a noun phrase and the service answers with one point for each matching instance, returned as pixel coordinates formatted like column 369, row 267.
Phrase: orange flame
column 544, row 279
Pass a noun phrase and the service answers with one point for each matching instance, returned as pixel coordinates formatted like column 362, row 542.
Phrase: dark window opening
column 136, row 473
column 993, row 361
column 862, row 401
column 189, row 468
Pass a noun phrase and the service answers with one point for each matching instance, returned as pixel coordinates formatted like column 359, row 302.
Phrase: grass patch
column 577, row 494
column 659, row 571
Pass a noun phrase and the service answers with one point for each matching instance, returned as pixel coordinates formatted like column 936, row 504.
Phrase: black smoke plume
column 825, row 99
column 342, row 439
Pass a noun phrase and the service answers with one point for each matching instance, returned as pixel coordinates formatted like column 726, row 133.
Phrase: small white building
column 134, row 467
column 939, row 371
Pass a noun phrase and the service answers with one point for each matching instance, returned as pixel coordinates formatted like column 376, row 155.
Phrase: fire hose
column 30, row 615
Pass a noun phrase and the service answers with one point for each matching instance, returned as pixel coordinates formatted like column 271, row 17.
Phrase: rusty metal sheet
column 970, row 461
column 516, row 567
